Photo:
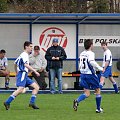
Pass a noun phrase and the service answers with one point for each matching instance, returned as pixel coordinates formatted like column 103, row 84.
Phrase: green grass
column 59, row 107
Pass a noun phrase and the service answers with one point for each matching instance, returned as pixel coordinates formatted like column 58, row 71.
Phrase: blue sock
column 6, row 84
column 115, row 87
column 98, row 101
column 10, row 99
column 101, row 85
column 33, row 98
column 81, row 97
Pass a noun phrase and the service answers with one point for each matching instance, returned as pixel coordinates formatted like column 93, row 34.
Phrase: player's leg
column 102, row 78
column 112, row 80
column 104, row 75
column 82, row 97
column 85, row 84
column 95, row 85
column 20, row 83
column 35, row 87
column 98, row 101
column 114, row 84
column 12, row 97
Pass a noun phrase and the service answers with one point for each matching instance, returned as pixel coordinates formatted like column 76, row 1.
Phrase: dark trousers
column 40, row 80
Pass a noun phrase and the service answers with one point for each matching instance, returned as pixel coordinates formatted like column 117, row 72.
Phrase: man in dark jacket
column 55, row 56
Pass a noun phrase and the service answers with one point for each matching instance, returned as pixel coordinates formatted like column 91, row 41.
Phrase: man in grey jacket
column 38, row 62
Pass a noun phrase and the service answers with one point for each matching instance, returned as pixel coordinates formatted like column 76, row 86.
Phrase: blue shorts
column 23, row 80
column 108, row 72
column 89, row 81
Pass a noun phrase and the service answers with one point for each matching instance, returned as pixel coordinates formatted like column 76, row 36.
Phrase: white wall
column 12, row 37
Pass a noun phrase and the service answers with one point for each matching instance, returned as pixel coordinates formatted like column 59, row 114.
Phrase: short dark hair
column 88, row 43
column 104, row 43
column 2, row 51
column 27, row 43
column 36, row 47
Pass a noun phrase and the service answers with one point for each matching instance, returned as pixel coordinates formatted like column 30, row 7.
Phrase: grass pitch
column 59, row 107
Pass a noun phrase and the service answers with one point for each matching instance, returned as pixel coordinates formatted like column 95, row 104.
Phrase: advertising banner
column 111, row 40
column 43, row 35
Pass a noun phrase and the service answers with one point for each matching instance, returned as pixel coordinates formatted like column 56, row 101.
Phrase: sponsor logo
column 97, row 40
column 47, row 36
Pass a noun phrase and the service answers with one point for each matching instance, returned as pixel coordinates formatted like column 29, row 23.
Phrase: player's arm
column 95, row 65
column 32, row 69
column 93, row 62
column 107, row 61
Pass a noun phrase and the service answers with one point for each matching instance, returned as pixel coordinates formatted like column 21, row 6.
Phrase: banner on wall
column 43, row 35
column 111, row 40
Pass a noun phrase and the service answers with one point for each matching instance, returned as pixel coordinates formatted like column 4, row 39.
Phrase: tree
column 100, row 6
column 61, row 6
column 3, row 6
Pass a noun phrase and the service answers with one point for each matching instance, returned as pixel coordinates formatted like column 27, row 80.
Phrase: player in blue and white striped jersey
column 22, row 79
column 88, row 76
column 107, row 67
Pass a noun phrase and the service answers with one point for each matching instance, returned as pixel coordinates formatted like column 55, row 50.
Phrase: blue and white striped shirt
column 21, row 60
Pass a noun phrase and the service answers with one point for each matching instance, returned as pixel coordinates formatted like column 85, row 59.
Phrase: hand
column 57, row 58
column 53, row 58
column 103, row 70
column 3, row 68
column 37, row 73
column 41, row 69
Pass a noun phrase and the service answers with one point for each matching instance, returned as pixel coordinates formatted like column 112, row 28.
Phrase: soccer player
column 22, row 79
column 107, row 67
column 88, row 76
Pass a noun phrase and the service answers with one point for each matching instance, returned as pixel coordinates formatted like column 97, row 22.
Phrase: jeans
column 57, row 72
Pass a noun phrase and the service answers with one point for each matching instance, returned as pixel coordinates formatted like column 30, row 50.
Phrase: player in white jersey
column 107, row 67
column 88, row 76
column 3, row 68
column 22, row 79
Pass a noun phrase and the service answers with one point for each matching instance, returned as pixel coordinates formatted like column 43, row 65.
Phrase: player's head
column 36, row 49
column 104, row 45
column 2, row 53
column 88, row 44
column 55, row 42
column 28, row 46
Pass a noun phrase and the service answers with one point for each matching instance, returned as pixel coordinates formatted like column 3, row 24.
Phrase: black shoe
column 33, row 106
column 7, row 106
column 75, row 105
column 117, row 92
